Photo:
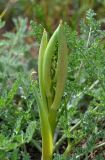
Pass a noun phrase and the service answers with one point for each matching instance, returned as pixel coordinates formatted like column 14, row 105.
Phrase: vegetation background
column 21, row 27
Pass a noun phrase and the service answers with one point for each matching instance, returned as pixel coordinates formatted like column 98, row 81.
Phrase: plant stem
column 99, row 145
column 60, row 141
column 47, row 139
column 64, row 136
column 67, row 151
column 96, row 147
column 89, row 35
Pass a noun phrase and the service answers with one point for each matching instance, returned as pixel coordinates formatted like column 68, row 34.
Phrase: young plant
column 52, row 71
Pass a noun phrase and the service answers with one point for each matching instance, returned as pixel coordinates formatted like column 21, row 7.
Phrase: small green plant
column 52, row 69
